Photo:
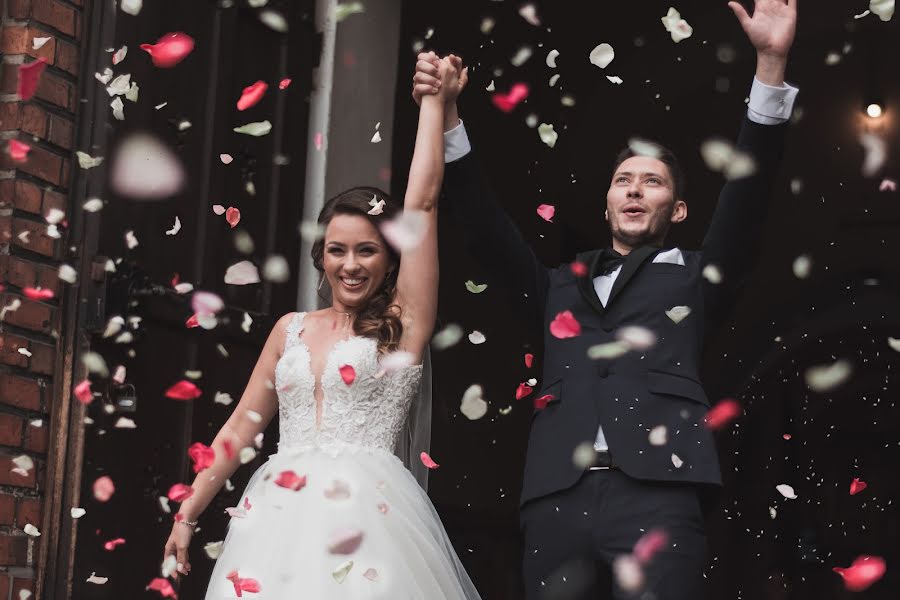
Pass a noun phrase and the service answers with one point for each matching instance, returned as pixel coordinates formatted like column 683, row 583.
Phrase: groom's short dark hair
column 660, row 152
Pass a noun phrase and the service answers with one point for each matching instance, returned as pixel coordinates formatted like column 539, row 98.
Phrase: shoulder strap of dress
column 292, row 331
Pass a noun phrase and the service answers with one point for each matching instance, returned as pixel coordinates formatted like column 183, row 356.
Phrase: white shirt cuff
column 456, row 143
column 770, row 105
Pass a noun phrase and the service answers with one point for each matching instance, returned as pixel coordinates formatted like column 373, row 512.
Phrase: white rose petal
column 678, row 313
column 120, row 55
column 68, row 273
column 551, row 58
column 822, row 378
column 77, row 512
column 553, row 81
column 487, row 25
column 274, row 20
column 146, row 169
column 132, row 94
column 23, row 462
column 95, row 579
column 247, row 454
column 772, row 513
column 94, row 363
column 340, row 573
column 86, row 161
column 529, row 13
column 602, row 55
column 242, row 273
column 548, row 134
column 883, row 8
column 476, row 337
column 345, row 9
column 676, row 26
column 125, row 423
column 584, row 456
column 175, row 228
column 659, row 436
column 636, row 337
column 406, row 231
column 712, row 274
column 786, row 491
column 223, row 398
column 119, row 85
column 676, row 460
column 93, row 205
column 38, row 42
column 894, row 343
column 104, row 77
column 521, row 56
column 132, row 7
column 118, row 109
column 802, row 266
column 447, row 337
column 376, row 138
column 256, row 129
column 608, row 350
column 473, row 405
column 614, row 79
column 214, row 549
column 876, row 151
column 628, row 572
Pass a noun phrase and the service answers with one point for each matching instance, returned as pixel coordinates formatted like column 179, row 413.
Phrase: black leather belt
column 603, row 462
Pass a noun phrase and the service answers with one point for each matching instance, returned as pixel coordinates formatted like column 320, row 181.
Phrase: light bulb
column 874, row 110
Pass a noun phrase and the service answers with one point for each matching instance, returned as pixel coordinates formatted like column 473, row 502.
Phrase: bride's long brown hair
column 380, row 317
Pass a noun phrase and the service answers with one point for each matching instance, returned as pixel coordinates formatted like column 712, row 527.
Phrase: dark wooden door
column 234, row 48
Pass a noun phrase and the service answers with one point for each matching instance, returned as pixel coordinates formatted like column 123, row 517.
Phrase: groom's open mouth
column 633, row 210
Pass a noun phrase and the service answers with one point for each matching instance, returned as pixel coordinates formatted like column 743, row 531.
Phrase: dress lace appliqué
column 369, row 413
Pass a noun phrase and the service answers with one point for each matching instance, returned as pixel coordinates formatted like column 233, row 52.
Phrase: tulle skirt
column 358, row 526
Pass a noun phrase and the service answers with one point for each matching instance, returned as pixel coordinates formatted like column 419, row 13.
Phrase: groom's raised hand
column 427, row 81
column 771, row 30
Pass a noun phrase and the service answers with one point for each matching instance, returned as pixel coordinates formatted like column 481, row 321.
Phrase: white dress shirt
column 768, row 105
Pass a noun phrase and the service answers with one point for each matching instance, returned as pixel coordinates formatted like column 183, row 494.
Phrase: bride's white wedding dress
column 297, row 539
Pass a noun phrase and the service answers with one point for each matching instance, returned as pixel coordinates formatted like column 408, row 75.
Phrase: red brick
column 36, row 316
column 29, row 511
column 27, row 196
column 7, row 512
column 10, row 430
column 9, row 116
column 37, row 439
column 62, row 132
column 65, row 177
column 19, row 9
column 20, row 40
column 54, row 89
column 41, row 361
column 23, row 583
column 41, row 163
column 33, row 120
column 67, row 57
column 7, row 192
column 53, row 199
column 24, row 273
column 38, row 240
column 13, row 551
column 7, row 477
column 21, row 392
column 55, row 14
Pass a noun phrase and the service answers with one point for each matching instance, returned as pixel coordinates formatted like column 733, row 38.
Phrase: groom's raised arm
column 734, row 237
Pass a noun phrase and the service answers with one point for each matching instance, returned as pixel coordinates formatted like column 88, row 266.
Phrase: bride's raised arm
column 417, row 280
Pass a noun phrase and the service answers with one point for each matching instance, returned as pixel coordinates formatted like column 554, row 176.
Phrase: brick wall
column 31, row 258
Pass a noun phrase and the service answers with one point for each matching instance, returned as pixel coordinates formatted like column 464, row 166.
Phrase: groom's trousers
column 573, row 537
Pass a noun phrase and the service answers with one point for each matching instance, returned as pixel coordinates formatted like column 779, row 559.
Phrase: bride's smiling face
column 356, row 260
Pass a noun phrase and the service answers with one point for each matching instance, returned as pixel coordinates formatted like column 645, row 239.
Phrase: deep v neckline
column 318, row 379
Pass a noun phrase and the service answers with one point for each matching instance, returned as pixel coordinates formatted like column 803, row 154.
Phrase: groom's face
column 641, row 204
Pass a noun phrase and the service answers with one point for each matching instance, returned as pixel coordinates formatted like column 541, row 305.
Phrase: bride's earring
column 321, row 282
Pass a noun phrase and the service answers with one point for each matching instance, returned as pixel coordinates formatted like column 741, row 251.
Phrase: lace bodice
column 368, row 413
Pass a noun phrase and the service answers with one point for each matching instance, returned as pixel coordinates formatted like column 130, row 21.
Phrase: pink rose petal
column 164, row 588
column 508, row 102
column 233, row 216
column 529, row 360
column 857, row 485
column 37, row 293
column 546, row 212
column 345, row 542
column 202, row 455
column 252, row 94
column 348, row 374
column 888, row 185
column 291, row 481
column 722, row 413
column 565, row 326
column 83, row 392
column 104, row 489
column 111, row 544
column 284, row 83
column 649, row 544
column 864, row 571
column 29, row 77
column 183, row 390
column 541, row 403
column 180, row 492
column 18, row 151
column 523, row 390
column 170, row 49
column 579, row 269
column 427, row 461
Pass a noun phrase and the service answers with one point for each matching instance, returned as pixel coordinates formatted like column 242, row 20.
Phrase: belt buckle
column 599, row 468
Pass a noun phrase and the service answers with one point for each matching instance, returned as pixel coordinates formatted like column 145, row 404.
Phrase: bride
column 334, row 514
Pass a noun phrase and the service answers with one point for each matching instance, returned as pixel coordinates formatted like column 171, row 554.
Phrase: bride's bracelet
column 191, row 524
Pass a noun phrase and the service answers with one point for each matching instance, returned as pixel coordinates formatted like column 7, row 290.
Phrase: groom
column 580, row 520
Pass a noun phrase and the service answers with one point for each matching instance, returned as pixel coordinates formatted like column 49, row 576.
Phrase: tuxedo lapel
column 632, row 263
column 586, row 283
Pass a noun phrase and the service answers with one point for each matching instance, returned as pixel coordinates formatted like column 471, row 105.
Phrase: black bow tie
column 609, row 261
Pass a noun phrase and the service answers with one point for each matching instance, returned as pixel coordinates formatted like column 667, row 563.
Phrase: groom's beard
column 652, row 235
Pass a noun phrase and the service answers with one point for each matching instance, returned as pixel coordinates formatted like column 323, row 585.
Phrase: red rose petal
column 786, row 436
column 579, row 269
column 529, row 360
column 252, row 94
column 104, row 489
column 541, row 403
column 247, row 505
column 37, row 293
column 18, row 151
column 507, row 102
column 546, row 212
column 83, row 392
column 523, row 390
column 164, row 588
column 864, row 571
column 228, row 449
column 29, row 77
column 202, row 455
column 565, row 325
column 243, row 585
column 428, row 461
column 233, row 216
column 170, row 49
column 111, row 544
column 180, row 492
column 722, row 413
column 857, row 485
column 183, row 390
column 291, row 481
column 284, row 83
column 348, row 374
